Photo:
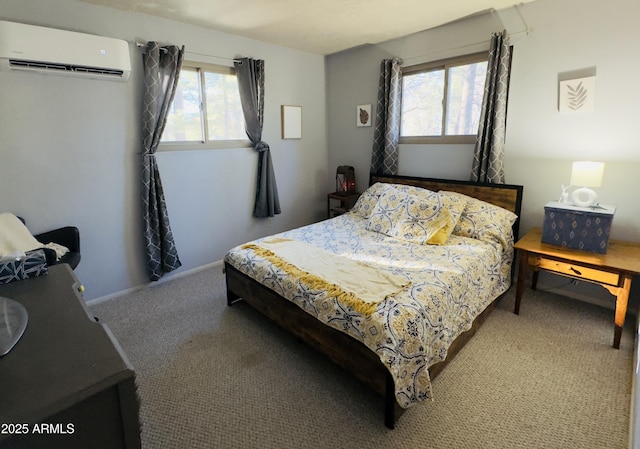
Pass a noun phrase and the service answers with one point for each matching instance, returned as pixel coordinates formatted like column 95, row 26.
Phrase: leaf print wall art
column 577, row 95
column 363, row 115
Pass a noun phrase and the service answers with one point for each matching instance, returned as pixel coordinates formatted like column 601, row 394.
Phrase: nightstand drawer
column 575, row 270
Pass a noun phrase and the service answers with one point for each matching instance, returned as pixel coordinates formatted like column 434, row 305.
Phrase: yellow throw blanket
column 354, row 283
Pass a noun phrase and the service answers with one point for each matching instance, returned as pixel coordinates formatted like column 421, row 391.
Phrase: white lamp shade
column 587, row 174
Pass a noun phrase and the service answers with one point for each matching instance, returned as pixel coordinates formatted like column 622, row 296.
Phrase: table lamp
column 586, row 174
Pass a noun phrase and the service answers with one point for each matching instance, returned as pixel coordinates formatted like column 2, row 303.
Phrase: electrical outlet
column 270, row 221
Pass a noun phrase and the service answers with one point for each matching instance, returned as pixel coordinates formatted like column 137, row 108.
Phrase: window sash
column 205, row 142
column 445, row 66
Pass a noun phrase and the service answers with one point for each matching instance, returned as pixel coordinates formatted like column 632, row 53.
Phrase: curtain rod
column 144, row 46
column 141, row 45
column 213, row 56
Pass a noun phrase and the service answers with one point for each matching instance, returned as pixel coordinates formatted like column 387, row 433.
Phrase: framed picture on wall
column 363, row 115
column 291, row 122
column 577, row 95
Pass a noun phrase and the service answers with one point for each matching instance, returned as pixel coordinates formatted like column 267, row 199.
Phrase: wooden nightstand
column 613, row 270
column 346, row 202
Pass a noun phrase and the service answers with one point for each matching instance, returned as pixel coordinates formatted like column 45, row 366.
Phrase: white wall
column 70, row 149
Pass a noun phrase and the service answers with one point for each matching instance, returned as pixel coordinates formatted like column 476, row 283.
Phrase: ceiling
column 316, row 26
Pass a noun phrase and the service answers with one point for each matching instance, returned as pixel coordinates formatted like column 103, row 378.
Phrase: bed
column 393, row 289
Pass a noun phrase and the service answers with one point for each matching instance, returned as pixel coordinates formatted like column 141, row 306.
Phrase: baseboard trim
column 162, row 280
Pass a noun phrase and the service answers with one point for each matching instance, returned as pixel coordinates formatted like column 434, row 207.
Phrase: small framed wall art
column 363, row 115
column 577, row 95
column 291, row 122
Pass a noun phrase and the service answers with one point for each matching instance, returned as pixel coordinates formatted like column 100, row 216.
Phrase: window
column 441, row 101
column 206, row 110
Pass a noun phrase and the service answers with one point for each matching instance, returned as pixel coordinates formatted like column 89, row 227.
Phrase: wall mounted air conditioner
column 53, row 51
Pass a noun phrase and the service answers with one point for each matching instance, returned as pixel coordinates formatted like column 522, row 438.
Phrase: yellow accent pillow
column 433, row 229
column 419, row 217
column 441, row 236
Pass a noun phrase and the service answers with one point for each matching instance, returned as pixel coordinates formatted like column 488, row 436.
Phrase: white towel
column 16, row 239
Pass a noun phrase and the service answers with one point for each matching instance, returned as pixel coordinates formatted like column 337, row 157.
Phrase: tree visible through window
column 441, row 101
column 206, row 108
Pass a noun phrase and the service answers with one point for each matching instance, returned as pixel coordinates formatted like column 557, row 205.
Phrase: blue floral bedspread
column 448, row 287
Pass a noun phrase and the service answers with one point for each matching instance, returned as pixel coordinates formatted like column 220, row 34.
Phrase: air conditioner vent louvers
column 36, row 49
column 16, row 63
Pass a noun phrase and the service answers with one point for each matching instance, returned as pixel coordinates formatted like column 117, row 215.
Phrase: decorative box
column 33, row 264
column 583, row 228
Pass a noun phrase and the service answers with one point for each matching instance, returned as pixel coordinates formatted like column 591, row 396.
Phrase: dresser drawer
column 574, row 270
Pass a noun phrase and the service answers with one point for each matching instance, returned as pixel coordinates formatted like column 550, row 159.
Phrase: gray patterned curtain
column 161, row 72
column 250, row 74
column 488, row 157
column 386, row 136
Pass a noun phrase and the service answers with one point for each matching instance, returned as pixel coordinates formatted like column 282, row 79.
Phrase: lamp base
column 584, row 197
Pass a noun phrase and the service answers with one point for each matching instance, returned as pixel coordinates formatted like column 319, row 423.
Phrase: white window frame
column 445, row 65
column 206, row 144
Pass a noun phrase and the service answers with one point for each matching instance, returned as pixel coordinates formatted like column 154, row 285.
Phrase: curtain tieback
column 147, row 152
column 261, row 146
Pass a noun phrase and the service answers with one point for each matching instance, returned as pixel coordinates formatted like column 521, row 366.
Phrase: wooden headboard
column 507, row 196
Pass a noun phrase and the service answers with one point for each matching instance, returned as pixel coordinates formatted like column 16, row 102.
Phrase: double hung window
column 442, row 100
column 206, row 110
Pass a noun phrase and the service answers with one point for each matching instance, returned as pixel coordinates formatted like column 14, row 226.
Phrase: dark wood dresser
column 66, row 383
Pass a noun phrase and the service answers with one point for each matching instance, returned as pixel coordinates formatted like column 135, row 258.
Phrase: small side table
column 347, row 201
column 613, row 270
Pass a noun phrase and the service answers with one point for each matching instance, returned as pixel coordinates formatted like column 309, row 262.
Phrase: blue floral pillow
column 412, row 214
column 387, row 210
column 369, row 198
column 484, row 221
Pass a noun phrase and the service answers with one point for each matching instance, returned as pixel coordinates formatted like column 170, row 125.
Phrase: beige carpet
column 212, row 376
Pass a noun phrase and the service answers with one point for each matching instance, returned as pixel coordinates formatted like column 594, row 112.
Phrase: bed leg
column 390, row 403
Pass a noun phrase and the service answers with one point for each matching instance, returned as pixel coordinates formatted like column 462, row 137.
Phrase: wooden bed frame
column 351, row 354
